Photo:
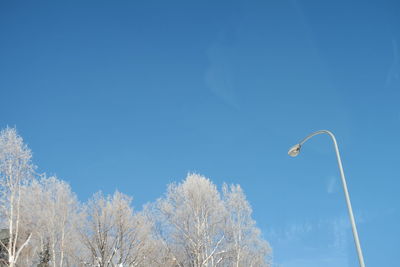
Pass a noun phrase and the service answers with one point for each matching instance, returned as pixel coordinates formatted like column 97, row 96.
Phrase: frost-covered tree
column 16, row 170
column 243, row 238
column 201, row 229
column 113, row 235
column 131, row 232
column 195, row 216
column 51, row 211
column 192, row 225
column 96, row 234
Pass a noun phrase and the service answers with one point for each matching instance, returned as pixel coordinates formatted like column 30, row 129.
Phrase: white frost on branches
column 192, row 225
column 203, row 229
column 16, row 170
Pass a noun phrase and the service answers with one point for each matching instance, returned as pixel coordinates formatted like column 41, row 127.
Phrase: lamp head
column 294, row 150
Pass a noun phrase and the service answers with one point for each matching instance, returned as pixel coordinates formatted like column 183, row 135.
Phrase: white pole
column 346, row 193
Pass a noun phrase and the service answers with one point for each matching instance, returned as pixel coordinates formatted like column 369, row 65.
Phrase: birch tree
column 16, row 170
column 113, row 235
column 244, row 243
column 192, row 225
column 199, row 228
column 193, row 216
column 52, row 212
column 132, row 233
column 96, row 234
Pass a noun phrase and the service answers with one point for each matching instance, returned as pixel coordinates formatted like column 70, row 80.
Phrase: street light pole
column 295, row 150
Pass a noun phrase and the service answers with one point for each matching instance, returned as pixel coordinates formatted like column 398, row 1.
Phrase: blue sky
column 132, row 95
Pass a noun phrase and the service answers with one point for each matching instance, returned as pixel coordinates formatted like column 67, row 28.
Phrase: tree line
column 192, row 225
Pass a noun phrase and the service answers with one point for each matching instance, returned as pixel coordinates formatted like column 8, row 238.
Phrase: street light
column 295, row 150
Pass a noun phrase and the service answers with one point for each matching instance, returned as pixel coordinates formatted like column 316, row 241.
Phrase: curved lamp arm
column 295, row 150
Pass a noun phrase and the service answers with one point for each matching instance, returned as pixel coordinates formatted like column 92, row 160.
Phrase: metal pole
column 346, row 193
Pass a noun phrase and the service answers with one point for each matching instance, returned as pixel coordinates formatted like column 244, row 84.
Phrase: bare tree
column 244, row 243
column 113, row 235
column 52, row 211
column 200, row 229
column 192, row 219
column 192, row 225
column 132, row 233
column 16, row 170
column 96, row 234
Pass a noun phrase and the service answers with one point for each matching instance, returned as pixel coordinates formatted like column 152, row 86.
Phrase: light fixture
column 295, row 150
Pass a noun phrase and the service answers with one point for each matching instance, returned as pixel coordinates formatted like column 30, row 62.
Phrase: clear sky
column 132, row 95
